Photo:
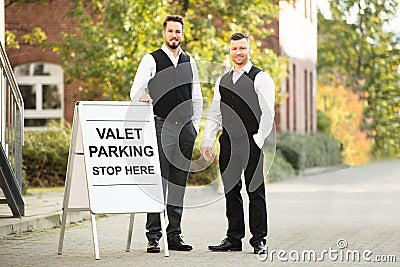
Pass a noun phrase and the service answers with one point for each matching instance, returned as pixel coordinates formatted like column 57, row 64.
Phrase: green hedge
column 305, row 151
column 280, row 169
column 45, row 156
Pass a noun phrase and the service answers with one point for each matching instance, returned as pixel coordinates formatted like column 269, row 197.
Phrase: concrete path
column 349, row 217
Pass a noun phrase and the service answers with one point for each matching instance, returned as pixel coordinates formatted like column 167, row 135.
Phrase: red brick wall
column 272, row 41
column 298, row 112
column 51, row 17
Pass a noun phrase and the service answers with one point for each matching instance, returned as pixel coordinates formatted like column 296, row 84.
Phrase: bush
column 280, row 169
column 324, row 123
column 45, row 156
column 305, row 151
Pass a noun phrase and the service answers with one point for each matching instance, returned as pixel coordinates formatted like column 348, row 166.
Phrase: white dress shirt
column 147, row 70
column 265, row 89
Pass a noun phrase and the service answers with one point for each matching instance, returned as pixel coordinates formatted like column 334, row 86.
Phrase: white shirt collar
column 169, row 52
column 246, row 68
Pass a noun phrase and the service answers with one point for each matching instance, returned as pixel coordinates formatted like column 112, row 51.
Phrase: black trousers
column 243, row 154
column 175, row 146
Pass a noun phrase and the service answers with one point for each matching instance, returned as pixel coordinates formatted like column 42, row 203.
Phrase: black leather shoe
column 226, row 245
column 259, row 248
column 153, row 246
column 176, row 243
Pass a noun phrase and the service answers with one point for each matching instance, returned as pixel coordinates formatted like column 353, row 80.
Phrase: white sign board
column 121, row 157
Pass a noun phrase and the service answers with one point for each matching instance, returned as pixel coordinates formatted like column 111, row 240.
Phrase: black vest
column 239, row 104
column 171, row 88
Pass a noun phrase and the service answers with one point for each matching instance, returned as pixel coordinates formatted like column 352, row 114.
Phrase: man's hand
column 207, row 153
column 146, row 98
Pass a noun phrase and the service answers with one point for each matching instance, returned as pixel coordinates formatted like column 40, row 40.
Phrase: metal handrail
column 8, row 72
column 11, row 135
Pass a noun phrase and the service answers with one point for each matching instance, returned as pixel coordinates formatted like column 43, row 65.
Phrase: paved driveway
column 340, row 217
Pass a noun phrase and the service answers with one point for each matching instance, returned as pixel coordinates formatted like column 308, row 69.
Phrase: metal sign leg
column 62, row 233
column 130, row 232
column 164, row 233
column 95, row 239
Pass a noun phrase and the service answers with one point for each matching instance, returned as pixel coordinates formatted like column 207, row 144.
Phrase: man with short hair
column 171, row 77
column 243, row 103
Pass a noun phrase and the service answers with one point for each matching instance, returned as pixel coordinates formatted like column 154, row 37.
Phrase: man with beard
column 243, row 104
column 171, row 77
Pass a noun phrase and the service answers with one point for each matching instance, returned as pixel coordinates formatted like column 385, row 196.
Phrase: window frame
column 39, row 81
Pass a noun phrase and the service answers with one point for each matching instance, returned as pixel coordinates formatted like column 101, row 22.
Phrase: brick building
column 38, row 72
column 298, row 41
column 46, row 95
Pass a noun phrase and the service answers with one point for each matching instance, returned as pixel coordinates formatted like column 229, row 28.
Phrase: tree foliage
column 355, row 51
column 344, row 110
column 108, row 44
column 113, row 36
column 36, row 36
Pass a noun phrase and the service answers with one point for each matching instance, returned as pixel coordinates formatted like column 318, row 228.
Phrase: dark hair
column 175, row 18
column 239, row 36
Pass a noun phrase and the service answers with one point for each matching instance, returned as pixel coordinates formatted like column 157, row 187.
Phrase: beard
column 240, row 61
column 173, row 45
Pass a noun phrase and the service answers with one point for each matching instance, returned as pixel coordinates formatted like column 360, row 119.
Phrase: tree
column 113, row 36
column 37, row 36
column 344, row 110
column 211, row 24
column 108, row 44
column 356, row 51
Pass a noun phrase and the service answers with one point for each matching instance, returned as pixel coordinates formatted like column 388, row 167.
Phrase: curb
column 11, row 226
column 318, row 170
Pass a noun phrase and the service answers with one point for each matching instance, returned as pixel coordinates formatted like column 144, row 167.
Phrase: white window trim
column 38, row 81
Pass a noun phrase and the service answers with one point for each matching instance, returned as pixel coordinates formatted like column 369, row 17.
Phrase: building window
column 42, row 88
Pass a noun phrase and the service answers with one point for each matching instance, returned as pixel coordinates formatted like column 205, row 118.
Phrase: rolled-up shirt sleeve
column 214, row 118
column 145, row 72
column 265, row 89
column 197, row 97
